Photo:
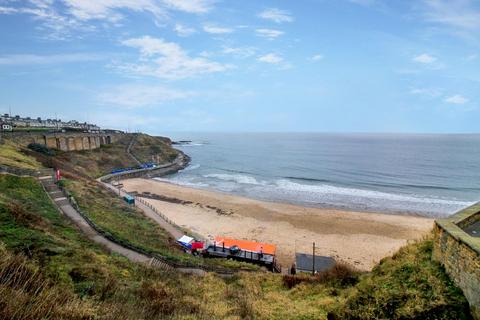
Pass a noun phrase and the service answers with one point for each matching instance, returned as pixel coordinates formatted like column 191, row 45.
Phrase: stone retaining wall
column 459, row 253
column 179, row 163
column 69, row 141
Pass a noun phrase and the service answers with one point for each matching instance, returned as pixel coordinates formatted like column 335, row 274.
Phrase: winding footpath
column 62, row 203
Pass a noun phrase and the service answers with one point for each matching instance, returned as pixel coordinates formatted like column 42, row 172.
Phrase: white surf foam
column 190, row 168
column 237, row 178
column 361, row 193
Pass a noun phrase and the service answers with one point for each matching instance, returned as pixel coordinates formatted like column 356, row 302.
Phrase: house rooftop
column 304, row 262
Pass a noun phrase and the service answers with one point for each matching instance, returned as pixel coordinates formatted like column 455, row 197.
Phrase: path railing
column 26, row 172
column 157, row 260
column 154, row 209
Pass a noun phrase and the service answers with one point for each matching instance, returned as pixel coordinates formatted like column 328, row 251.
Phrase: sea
column 417, row 174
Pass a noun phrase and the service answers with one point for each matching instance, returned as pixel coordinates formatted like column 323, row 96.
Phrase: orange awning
column 266, row 248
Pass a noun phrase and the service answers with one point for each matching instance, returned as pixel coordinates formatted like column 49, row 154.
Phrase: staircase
column 52, row 189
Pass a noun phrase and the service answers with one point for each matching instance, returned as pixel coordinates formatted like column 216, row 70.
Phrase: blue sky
column 203, row 65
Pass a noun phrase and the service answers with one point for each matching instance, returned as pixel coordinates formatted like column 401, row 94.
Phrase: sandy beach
column 358, row 238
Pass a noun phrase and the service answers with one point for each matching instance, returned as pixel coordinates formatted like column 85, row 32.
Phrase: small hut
column 243, row 250
column 304, row 263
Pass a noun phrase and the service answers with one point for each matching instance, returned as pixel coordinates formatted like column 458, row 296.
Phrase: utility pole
column 313, row 261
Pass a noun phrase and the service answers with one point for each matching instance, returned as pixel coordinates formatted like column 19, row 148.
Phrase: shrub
column 409, row 285
column 26, row 294
column 40, row 148
column 342, row 274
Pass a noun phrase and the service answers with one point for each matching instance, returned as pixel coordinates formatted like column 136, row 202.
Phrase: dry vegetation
column 101, row 161
column 147, row 146
column 11, row 155
column 48, row 270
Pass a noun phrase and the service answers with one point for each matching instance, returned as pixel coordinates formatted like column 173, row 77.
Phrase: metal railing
column 156, row 211
column 157, row 260
column 26, row 172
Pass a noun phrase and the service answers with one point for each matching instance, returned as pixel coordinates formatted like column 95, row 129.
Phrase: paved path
column 129, row 148
column 67, row 209
column 62, row 203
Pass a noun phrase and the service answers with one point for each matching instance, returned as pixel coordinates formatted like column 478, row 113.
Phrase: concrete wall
column 459, row 253
column 69, row 141
column 73, row 141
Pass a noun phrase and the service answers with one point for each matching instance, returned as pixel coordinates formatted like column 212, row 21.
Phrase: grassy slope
column 112, row 287
column 145, row 146
column 125, row 222
column 407, row 286
column 128, row 223
column 11, row 156
column 100, row 161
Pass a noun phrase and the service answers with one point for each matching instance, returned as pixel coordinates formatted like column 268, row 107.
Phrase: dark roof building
column 304, row 262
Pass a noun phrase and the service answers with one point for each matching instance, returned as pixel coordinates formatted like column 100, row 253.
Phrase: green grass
column 108, row 286
column 11, row 155
column 147, row 146
column 408, row 285
column 127, row 223
column 31, row 129
column 31, row 225
column 101, row 161
column 123, row 221
column 48, row 269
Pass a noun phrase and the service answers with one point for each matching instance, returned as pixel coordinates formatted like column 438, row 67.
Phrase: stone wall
column 459, row 253
column 69, row 141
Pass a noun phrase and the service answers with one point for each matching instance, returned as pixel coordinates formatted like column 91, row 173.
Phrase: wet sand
column 358, row 238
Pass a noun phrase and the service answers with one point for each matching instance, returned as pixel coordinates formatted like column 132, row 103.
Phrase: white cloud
column 317, row 57
column 61, row 17
column 135, row 96
column 271, row 58
column 216, row 29
column 424, row 58
column 7, row 10
column 108, row 9
column 191, row 6
column 276, row 15
column 31, row 59
column 459, row 14
column 456, row 99
column 472, row 57
column 363, row 2
column 428, row 92
column 183, row 31
column 269, row 33
column 167, row 60
column 240, row 52
column 53, row 25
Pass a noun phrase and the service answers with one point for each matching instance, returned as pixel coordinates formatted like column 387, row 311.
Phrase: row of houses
column 9, row 123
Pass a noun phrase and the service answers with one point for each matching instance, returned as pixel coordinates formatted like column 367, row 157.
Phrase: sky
column 222, row 65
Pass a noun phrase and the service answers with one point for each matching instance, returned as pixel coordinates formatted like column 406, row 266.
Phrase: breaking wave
column 361, row 193
column 238, row 178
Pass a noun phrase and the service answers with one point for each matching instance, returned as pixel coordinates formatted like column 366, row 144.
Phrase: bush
column 342, row 274
column 26, row 294
column 408, row 285
column 40, row 148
